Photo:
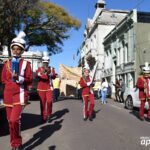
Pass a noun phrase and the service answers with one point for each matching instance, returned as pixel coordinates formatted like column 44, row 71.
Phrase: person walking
column 117, row 89
column 56, row 88
column 143, row 84
column 17, row 77
column 104, row 86
column 45, row 74
column 122, row 90
column 87, row 94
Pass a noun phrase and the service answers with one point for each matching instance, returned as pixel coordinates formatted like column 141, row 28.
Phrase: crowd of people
column 17, row 78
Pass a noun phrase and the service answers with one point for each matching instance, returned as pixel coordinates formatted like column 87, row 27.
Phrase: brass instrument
column 48, row 70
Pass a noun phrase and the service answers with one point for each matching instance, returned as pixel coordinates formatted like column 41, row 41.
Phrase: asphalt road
column 113, row 128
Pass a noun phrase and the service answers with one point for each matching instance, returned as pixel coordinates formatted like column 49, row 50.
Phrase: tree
column 45, row 23
column 91, row 61
column 10, row 14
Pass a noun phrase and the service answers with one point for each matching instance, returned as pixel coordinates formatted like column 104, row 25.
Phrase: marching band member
column 17, row 77
column 143, row 84
column 45, row 74
column 87, row 94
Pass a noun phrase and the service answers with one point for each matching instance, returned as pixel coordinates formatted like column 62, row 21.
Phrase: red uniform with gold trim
column 143, row 84
column 88, row 96
column 16, row 96
column 45, row 90
column 16, row 93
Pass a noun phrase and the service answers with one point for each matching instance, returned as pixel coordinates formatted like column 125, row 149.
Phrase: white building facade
column 127, row 47
column 103, row 22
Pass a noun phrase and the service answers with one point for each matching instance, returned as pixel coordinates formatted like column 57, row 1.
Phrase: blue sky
column 83, row 9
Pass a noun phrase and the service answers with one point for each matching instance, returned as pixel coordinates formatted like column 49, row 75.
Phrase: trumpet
column 49, row 71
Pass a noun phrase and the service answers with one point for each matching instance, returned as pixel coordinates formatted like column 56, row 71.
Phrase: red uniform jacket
column 144, row 87
column 86, row 90
column 16, row 92
column 44, row 79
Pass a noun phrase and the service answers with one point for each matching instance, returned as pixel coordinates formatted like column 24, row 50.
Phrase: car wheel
column 129, row 103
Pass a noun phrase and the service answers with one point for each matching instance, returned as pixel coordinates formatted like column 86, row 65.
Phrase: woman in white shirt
column 104, row 86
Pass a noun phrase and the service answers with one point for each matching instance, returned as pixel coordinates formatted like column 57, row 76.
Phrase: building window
column 126, row 53
column 126, row 79
column 118, row 57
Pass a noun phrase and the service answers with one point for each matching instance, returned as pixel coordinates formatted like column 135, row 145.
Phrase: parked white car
column 132, row 99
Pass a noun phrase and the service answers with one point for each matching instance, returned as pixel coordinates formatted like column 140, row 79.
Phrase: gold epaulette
column 6, row 60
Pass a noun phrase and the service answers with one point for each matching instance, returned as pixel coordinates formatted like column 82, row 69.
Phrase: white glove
column 89, row 83
column 20, row 80
column 39, row 74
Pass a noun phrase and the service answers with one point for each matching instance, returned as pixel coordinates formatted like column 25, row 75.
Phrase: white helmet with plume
column 146, row 68
column 45, row 57
column 19, row 40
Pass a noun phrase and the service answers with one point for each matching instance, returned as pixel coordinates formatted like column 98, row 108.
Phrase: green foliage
column 91, row 61
column 45, row 24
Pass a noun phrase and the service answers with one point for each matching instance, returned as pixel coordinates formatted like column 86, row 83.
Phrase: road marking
column 115, row 106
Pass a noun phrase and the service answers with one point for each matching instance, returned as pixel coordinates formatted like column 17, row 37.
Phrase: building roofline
column 118, row 26
column 105, row 10
column 124, row 20
column 116, row 10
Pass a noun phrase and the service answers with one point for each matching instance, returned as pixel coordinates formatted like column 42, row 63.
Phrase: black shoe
column 147, row 119
column 90, row 118
column 85, row 119
column 141, row 118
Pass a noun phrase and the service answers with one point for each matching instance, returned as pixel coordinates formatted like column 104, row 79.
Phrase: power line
column 139, row 3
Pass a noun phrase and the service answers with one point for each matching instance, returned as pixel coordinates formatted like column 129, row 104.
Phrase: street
column 113, row 128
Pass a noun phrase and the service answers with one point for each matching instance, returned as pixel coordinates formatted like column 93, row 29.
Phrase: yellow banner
column 70, row 73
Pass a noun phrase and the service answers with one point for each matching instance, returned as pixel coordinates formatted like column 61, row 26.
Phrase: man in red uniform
column 45, row 75
column 17, row 77
column 87, row 95
column 143, row 83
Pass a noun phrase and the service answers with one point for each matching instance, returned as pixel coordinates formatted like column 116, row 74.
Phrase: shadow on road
column 58, row 114
column 26, row 120
column 95, row 112
column 63, row 98
column 4, row 129
column 135, row 113
column 53, row 147
column 44, row 133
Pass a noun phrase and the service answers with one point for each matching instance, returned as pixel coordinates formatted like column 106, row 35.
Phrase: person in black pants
column 122, row 90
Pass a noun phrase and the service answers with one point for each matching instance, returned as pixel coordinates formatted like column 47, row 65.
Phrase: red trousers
column 13, row 117
column 45, row 103
column 88, row 109
column 142, row 108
